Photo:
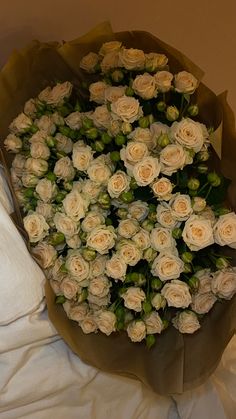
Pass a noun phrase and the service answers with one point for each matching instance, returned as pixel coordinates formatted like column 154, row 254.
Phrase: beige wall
column 205, row 30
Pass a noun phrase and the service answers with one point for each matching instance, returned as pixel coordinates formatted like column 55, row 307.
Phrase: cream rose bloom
column 99, row 286
column 223, row 284
column 199, row 204
column 185, row 82
column 73, row 242
column 18, row 164
column 162, row 189
column 13, row 143
column 88, row 324
column 142, row 239
column 113, row 93
column 89, row 62
column 91, row 189
column 177, row 294
column 46, row 210
column 129, row 252
column 138, row 210
column 77, row 266
column 106, row 322
column 20, row 124
column 97, row 303
column 144, row 85
column 30, row 108
column 128, row 228
column 55, row 285
column 64, row 169
column 146, row 170
column 132, row 59
column 97, row 266
column 158, row 301
column 98, row 171
column 28, row 180
column 110, row 46
column 143, row 135
column 36, row 227
column 186, row 322
column 205, row 277
column 110, row 61
column 156, row 129
column 39, row 150
column 167, row 266
column 97, row 92
column 173, row 157
column 197, row 233
column 161, row 239
column 92, row 220
column 65, row 224
column 225, row 230
column 46, row 190
column 76, row 312
column 82, row 156
column 202, row 303
column 136, row 330
column 165, row 216
column 75, row 205
column 69, row 288
column 116, row 267
column 37, row 167
column 102, row 239
column 59, row 93
column 134, row 152
column 127, row 109
column 153, row 323
column 155, row 61
column 118, row 183
column 189, row 134
column 63, row 143
column 45, row 254
column 133, row 298
column 74, row 120
column 163, row 81
column 46, row 124
column 181, row 207
column 101, row 117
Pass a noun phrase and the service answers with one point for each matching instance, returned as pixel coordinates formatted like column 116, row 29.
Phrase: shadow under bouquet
column 118, row 174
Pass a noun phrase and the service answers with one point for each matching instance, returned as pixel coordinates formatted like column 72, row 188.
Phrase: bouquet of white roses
column 121, row 208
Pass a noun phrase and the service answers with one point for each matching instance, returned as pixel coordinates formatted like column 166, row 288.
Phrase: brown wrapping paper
column 177, row 362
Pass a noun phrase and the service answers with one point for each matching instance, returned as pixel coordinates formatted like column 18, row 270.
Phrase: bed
column 40, row 377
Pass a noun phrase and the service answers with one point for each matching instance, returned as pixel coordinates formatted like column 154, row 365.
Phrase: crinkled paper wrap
column 177, row 362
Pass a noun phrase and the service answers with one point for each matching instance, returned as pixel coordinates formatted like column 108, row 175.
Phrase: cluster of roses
column 107, row 216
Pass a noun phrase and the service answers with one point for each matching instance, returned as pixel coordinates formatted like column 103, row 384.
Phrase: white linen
column 5, row 195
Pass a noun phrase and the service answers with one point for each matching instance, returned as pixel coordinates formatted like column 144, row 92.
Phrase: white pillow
column 21, row 279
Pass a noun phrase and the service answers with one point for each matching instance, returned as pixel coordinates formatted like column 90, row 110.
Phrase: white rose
column 92, row 220
column 36, row 166
column 74, row 120
column 136, row 330
column 76, row 312
column 205, row 277
column 138, row 210
column 208, row 214
column 118, row 183
column 156, row 129
column 133, row 298
column 46, row 124
column 197, row 233
column 110, row 46
column 20, row 124
column 134, row 152
column 116, row 267
column 75, row 205
column 127, row 109
column 112, row 93
column 189, row 134
column 44, row 94
column 101, row 239
column 99, row 286
column 13, row 143
column 63, row 143
column 45, row 254
column 30, row 108
column 69, row 288
column 74, row 242
column 101, row 117
column 97, row 266
column 158, row 301
column 77, row 266
column 142, row 239
column 163, row 80
column 143, row 135
column 181, row 207
column 129, row 252
column 225, row 230
column 55, row 285
column 57, row 119
column 38, row 137
column 155, row 61
column 177, row 294
column 132, row 59
column 46, row 190
column 91, row 189
column 39, row 151
column 146, row 170
column 161, row 239
column 202, row 303
column 89, row 62
column 99, row 172
column 186, row 322
column 28, row 180
column 55, row 270
column 88, row 324
column 173, row 157
column 44, row 209
column 64, row 169
column 59, row 93
column 199, row 204
column 36, row 227
column 82, row 156
column 165, row 216
column 185, row 82
column 65, row 224
column 144, row 85
column 167, row 266
column 106, row 322
column 110, row 61
column 162, row 189
column 153, row 323
column 97, row 92
column 223, row 284
column 128, row 228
